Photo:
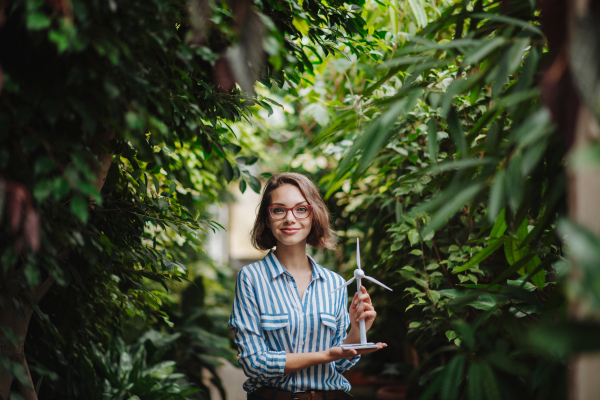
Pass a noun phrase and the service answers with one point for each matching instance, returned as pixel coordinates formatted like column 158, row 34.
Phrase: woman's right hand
column 337, row 353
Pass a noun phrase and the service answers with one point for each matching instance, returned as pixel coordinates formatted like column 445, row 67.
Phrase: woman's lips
column 290, row 231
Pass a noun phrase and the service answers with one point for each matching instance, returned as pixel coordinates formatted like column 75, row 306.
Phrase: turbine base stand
column 358, row 346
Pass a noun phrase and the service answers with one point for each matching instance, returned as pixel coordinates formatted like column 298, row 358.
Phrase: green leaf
column 242, row 185
column 482, row 255
column 508, row 20
column 413, row 237
column 419, row 12
column 492, row 390
column 534, row 128
column 156, row 184
column 163, row 204
column 536, row 273
column 432, row 145
column 499, row 226
column 267, row 107
column 466, row 331
column 32, row 274
column 512, row 251
column 513, row 269
column 37, row 21
column 227, row 171
column 486, row 47
column 61, row 41
column 522, row 230
column 251, row 160
column 497, row 197
column 451, row 207
column 80, row 207
column 475, row 388
column 456, row 132
column 301, row 25
column 453, row 377
column 254, row 184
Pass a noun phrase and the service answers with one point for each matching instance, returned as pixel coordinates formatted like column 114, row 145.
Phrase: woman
column 288, row 327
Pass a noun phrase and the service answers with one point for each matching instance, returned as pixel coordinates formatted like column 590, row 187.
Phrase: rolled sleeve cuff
column 270, row 364
column 344, row 364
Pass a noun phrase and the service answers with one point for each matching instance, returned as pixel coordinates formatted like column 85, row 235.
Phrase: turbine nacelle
column 359, row 273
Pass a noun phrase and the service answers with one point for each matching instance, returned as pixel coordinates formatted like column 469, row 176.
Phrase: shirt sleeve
column 342, row 326
column 256, row 359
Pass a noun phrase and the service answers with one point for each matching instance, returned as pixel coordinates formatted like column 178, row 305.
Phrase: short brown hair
column 321, row 235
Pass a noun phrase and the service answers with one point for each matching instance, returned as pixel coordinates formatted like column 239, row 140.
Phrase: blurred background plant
column 437, row 130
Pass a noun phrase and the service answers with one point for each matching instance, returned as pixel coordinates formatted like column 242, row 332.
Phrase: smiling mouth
column 290, row 230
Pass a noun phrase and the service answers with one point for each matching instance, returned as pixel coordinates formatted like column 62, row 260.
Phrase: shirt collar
column 276, row 268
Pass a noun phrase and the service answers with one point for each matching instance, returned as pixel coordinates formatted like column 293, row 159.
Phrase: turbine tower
column 358, row 275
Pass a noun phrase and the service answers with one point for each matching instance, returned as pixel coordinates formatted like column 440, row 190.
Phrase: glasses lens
column 301, row 211
column 278, row 212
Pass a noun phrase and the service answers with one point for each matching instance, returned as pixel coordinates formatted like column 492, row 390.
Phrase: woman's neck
column 293, row 258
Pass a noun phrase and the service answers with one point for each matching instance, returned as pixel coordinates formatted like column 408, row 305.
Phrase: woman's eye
column 302, row 209
column 277, row 210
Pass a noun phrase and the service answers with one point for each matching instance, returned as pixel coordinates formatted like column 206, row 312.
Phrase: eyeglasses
column 299, row 212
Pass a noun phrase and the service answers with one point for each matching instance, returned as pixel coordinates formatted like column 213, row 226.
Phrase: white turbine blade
column 344, row 285
column 357, row 254
column 377, row 282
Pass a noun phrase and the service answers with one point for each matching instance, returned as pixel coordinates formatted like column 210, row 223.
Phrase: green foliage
column 130, row 85
column 134, row 372
column 445, row 163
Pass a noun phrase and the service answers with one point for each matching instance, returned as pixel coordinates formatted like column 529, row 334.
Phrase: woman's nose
column 290, row 216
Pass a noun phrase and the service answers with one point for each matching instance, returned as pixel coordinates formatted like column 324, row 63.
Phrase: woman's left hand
column 366, row 311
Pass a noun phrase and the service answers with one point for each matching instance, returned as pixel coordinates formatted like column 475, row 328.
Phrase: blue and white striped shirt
column 269, row 320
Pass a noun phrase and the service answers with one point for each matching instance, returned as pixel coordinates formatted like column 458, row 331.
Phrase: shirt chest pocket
column 328, row 321
column 271, row 322
column 275, row 330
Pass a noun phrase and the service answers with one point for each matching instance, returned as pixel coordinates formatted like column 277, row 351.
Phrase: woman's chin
column 292, row 240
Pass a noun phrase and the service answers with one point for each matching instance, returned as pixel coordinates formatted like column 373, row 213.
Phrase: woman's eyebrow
column 281, row 204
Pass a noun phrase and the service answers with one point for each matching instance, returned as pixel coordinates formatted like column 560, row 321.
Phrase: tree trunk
column 18, row 322
column 584, row 194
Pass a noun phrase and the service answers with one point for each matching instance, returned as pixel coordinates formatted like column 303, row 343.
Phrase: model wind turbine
column 358, row 275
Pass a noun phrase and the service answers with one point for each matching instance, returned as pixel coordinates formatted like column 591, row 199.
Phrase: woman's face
column 289, row 231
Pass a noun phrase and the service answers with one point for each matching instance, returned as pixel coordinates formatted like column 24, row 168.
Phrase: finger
column 367, row 315
column 354, row 300
column 360, row 309
column 379, row 347
column 350, row 353
column 364, row 298
column 364, row 307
